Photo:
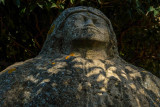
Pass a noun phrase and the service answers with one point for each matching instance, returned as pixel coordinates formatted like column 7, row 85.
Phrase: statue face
column 85, row 25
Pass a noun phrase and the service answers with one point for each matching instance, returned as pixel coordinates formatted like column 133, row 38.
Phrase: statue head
column 80, row 23
column 85, row 25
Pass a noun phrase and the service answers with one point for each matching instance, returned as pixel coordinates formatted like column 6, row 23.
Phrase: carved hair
column 54, row 37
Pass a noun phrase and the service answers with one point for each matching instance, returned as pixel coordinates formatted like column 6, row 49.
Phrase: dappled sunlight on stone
column 134, row 75
column 149, row 84
column 103, row 89
column 93, row 72
column 54, row 85
column 39, row 91
column 130, row 69
column 111, row 72
column 27, row 94
column 32, row 79
column 45, row 80
column 132, row 72
column 99, row 63
column 112, row 68
column 132, row 85
column 109, row 62
column 101, row 77
column 79, row 87
column 40, row 67
column 53, row 70
column 141, row 91
column 77, row 65
column 123, row 74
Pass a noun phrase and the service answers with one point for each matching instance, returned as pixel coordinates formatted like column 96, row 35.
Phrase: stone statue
column 79, row 66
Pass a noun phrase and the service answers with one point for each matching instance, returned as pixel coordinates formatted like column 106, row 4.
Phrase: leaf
column 32, row 7
column 23, row 10
column 2, row 1
column 51, row 30
column 151, row 8
column 72, row 1
column 18, row 3
column 41, row 6
column 156, row 12
column 121, row 53
column 63, row 1
column 137, row 3
column 140, row 11
column 82, row 0
column 99, row 1
column 53, row 5
column 11, row 70
column 62, row 6
column 58, row 2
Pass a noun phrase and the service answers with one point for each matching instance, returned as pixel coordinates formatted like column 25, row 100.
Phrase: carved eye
column 95, row 21
column 85, row 18
column 82, row 18
column 78, row 17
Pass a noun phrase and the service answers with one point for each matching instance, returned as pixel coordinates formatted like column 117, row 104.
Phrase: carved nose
column 89, row 22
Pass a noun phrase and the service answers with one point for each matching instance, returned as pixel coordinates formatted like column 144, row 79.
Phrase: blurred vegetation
column 25, row 23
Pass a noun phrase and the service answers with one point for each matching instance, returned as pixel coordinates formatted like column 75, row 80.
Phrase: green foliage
column 25, row 23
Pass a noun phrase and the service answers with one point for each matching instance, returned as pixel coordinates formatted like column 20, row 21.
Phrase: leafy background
column 25, row 23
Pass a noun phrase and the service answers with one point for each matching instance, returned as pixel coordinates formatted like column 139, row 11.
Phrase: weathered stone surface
column 79, row 66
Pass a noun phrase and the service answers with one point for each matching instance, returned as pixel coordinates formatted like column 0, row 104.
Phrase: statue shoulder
column 14, row 66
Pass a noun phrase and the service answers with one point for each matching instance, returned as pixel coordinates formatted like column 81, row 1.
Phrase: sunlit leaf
column 62, row 6
column 11, row 70
column 2, row 1
column 53, row 5
column 23, row 10
column 63, row 1
column 41, row 6
column 156, row 12
column 72, row 1
column 99, row 1
column 151, row 8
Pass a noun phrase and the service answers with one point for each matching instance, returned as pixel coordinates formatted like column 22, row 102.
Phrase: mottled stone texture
column 79, row 66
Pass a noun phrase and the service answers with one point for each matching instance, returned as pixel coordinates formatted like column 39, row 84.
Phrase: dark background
column 25, row 23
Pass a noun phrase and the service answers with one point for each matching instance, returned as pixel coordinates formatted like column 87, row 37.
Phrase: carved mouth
column 91, row 28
